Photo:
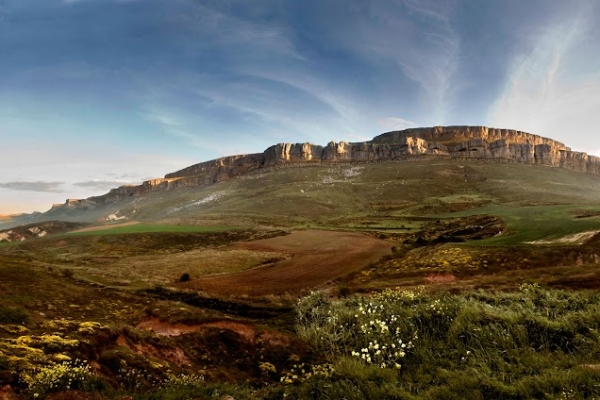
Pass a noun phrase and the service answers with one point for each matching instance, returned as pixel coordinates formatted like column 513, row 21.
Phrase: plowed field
column 314, row 257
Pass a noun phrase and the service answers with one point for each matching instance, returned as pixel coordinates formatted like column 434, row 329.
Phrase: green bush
column 532, row 343
column 15, row 315
column 61, row 377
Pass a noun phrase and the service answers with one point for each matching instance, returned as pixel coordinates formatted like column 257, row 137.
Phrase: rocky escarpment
column 24, row 232
column 469, row 142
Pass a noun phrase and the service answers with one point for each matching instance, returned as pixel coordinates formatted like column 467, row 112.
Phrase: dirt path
column 317, row 257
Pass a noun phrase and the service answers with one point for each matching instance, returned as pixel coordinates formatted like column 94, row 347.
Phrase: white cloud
column 395, row 124
column 87, row 1
column 37, row 186
column 99, row 184
column 417, row 38
column 547, row 91
column 214, row 27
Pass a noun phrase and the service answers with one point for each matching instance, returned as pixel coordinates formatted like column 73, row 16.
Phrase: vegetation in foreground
column 530, row 343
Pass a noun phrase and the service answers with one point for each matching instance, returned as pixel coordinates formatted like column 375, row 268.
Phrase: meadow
column 530, row 343
column 126, row 229
column 412, row 280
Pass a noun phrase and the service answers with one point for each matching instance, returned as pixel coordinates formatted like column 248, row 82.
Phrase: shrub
column 17, row 316
column 531, row 343
column 61, row 377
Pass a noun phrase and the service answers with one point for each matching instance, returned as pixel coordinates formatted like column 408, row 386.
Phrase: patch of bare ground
column 247, row 332
column 563, row 277
column 577, row 238
column 315, row 258
column 105, row 227
column 441, row 277
column 173, row 355
column 76, row 395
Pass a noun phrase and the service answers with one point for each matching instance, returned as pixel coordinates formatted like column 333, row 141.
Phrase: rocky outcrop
column 38, row 230
column 465, row 142
column 226, row 167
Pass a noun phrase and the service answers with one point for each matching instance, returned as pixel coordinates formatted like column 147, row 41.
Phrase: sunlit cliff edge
column 463, row 142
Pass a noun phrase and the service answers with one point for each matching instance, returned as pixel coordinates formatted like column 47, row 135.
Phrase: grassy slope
column 380, row 195
column 536, row 202
column 530, row 223
column 148, row 228
column 389, row 195
column 533, row 343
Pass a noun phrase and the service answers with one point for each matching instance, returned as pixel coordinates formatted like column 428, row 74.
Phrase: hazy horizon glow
column 99, row 93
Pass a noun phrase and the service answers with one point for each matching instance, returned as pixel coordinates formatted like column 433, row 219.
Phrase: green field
column 535, row 223
column 470, row 327
column 152, row 228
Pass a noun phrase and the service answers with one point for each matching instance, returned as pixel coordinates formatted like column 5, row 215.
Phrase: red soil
column 247, row 331
column 443, row 277
column 317, row 257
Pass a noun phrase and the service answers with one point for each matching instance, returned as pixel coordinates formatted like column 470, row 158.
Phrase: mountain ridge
column 468, row 142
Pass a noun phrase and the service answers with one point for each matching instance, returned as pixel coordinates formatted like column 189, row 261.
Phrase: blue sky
column 98, row 93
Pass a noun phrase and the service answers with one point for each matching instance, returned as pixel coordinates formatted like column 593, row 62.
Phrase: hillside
column 280, row 280
column 461, row 154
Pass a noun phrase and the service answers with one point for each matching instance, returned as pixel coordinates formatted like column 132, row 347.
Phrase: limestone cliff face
column 466, row 142
column 219, row 168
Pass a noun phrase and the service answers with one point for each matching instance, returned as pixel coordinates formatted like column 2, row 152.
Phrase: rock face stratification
column 468, row 142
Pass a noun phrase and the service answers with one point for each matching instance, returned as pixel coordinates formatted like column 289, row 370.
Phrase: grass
column 139, row 272
column 152, row 228
column 533, row 343
column 533, row 223
column 143, row 260
column 377, row 195
column 530, row 343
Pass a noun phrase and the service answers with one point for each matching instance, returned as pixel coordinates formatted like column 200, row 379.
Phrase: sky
column 95, row 94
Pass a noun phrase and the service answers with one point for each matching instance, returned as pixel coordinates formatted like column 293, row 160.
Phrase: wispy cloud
column 547, row 91
column 86, row 1
column 434, row 62
column 310, row 84
column 214, row 27
column 67, row 70
column 3, row 11
column 102, row 184
column 39, row 186
column 393, row 124
column 417, row 38
column 188, row 130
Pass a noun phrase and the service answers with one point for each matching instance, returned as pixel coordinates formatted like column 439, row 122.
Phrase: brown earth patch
column 173, row 355
column 75, row 395
column 442, row 277
column 246, row 331
column 105, row 227
column 6, row 393
column 315, row 258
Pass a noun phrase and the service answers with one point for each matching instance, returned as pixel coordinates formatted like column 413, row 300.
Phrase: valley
column 279, row 283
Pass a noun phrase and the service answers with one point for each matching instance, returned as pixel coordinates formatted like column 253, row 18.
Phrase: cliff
column 468, row 142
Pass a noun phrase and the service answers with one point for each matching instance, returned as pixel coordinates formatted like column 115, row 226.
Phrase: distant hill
column 36, row 230
column 352, row 178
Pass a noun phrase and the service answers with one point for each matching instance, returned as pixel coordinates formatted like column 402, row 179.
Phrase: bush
column 61, row 377
column 531, row 343
column 17, row 316
column 184, row 278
